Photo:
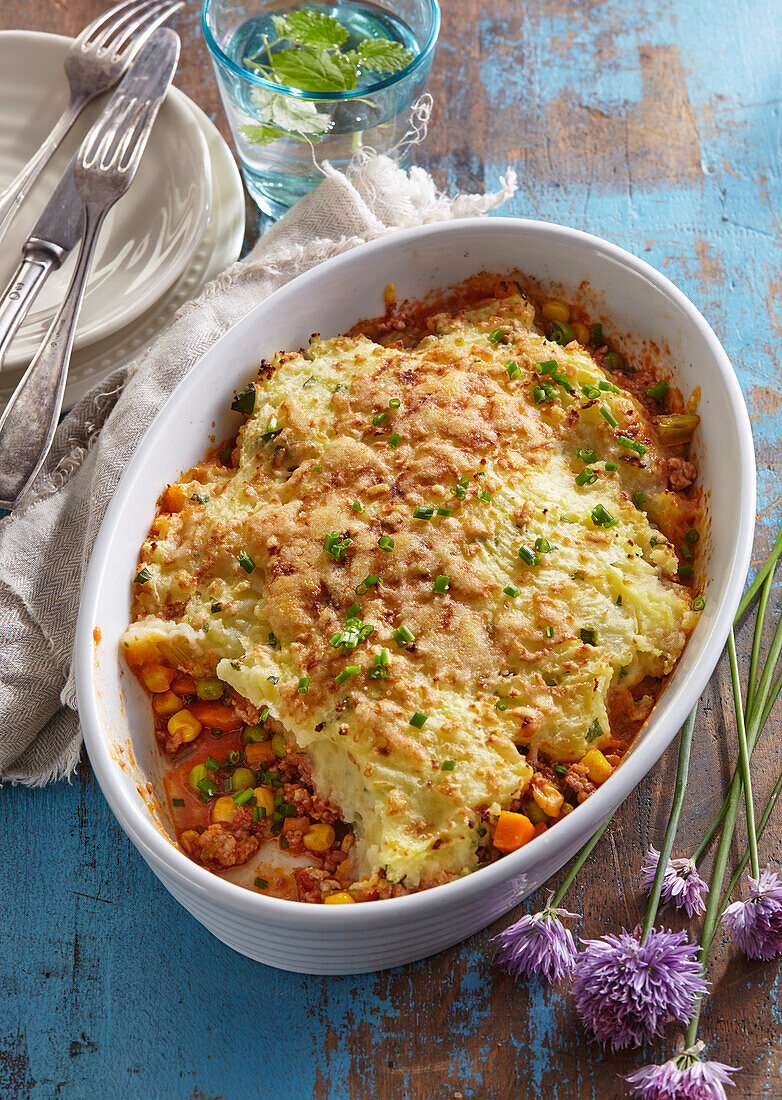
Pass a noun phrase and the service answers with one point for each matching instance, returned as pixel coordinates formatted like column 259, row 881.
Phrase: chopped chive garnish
column 358, row 506
column 501, row 705
column 639, row 500
column 394, row 403
column 367, row 583
column 596, row 336
column 687, row 554
column 395, row 440
column 199, row 499
column 595, row 730
column 225, row 456
column 385, row 542
column 484, row 495
column 317, row 468
column 528, row 556
column 606, row 413
column 481, row 830
column 243, row 796
column 511, row 590
column 335, row 545
column 272, row 429
column 447, row 765
column 244, row 402
column 246, row 562
column 543, row 546
column 402, row 636
column 303, row 685
column 611, row 467
column 685, row 569
column 499, row 336
column 207, row 787
column 422, row 512
column 445, row 511
column 142, row 576
column 211, row 764
column 562, row 381
column 560, row 769
column 632, row 445
column 261, row 883
column 216, row 606
column 698, row 603
column 379, row 417
column 178, row 801
column 418, row 720
column 461, row 488
column 601, row 517
column 351, row 670
column 381, row 663
column 618, row 600
column 658, row 392
column 590, row 392
column 549, row 631
column 353, row 610
column 441, row 584
column 586, row 454
column 692, row 536
column 264, row 714
column 586, row 477
column 588, row 636
column 513, row 369
column 608, row 387
column 549, row 367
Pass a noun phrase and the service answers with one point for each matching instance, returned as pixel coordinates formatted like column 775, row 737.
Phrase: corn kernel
column 224, row 809
column 157, row 678
column 598, row 768
column 166, row 704
column 555, row 310
column 264, row 799
column 340, row 898
column 347, row 842
column 184, row 726
column 188, row 838
column 548, row 798
column 320, row 838
column 582, row 333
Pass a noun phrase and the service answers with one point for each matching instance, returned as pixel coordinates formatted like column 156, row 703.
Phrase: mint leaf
column 283, row 115
column 314, row 70
column 381, row 55
column 310, row 28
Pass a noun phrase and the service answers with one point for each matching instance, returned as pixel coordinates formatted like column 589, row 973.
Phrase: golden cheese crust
column 437, row 495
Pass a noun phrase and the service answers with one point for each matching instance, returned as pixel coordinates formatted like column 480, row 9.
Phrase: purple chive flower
column 625, row 990
column 684, row 1077
column 681, row 882
column 538, row 945
column 756, row 924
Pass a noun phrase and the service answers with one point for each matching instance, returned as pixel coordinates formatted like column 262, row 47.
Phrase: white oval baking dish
column 619, row 289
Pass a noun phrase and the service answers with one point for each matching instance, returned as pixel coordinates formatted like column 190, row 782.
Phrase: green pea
column 561, row 332
column 253, row 734
column 241, row 779
column 612, row 361
column 210, row 688
column 197, row 773
column 278, row 744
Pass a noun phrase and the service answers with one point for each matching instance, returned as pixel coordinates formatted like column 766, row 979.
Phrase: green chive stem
column 578, row 863
column 769, row 564
column 746, row 778
column 682, row 768
column 752, row 682
column 745, row 858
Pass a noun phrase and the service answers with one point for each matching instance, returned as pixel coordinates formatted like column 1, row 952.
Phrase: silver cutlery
column 54, row 235
column 105, row 166
column 96, row 60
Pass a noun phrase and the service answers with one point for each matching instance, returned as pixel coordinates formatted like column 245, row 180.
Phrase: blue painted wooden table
column 655, row 123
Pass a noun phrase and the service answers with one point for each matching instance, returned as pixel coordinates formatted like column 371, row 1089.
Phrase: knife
column 57, row 231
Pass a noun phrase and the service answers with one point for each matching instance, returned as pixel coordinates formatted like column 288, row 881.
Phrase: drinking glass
column 282, row 133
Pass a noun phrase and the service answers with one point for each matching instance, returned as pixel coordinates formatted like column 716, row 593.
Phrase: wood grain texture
column 654, row 123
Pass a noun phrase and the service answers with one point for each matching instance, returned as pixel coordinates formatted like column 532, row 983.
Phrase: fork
column 95, row 61
column 105, row 166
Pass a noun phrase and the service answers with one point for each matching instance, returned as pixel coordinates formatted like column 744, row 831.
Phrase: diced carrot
column 296, row 825
column 174, row 498
column 513, row 831
column 215, row 715
column 182, row 684
column 261, row 752
column 540, row 828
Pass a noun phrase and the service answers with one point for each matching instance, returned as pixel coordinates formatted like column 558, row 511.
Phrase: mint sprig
column 312, row 62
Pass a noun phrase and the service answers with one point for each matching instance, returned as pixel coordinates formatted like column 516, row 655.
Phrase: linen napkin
column 45, row 547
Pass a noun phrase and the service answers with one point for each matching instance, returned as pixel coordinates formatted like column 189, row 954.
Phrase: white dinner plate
column 149, row 237
column 218, row 248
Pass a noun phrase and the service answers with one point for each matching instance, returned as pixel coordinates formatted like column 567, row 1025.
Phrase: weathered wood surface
column 654, row 123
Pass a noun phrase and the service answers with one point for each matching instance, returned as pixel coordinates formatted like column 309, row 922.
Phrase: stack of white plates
column 179, row 225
